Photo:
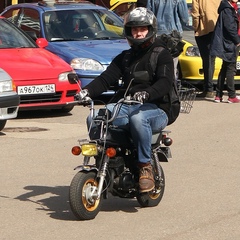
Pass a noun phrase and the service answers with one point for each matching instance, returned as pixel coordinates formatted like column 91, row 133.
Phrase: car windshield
column 82, row 24
column 11, row 37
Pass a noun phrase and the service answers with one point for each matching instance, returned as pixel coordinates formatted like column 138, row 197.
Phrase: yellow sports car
column 190, row 62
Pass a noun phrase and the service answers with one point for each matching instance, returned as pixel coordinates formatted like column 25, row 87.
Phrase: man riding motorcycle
column 141, row 120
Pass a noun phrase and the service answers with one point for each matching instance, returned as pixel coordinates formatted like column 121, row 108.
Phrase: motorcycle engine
column 125, row 182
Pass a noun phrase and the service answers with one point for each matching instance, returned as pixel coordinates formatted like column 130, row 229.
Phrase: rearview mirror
column 72, row 78
column 42, row 42
column 140, row 77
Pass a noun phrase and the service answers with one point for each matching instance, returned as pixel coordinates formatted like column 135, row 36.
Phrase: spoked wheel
column 82, row 202
column 153, row 198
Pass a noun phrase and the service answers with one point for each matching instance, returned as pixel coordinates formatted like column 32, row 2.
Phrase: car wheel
column 2, row 124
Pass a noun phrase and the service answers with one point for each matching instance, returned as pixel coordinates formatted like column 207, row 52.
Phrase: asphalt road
column 202, row 193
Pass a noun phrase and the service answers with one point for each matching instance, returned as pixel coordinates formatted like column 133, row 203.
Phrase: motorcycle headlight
column 89, row 149
column 86, row 64
column 193, row 51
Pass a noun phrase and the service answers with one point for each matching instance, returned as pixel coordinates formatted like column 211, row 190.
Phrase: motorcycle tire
column 2, row 124
column 152, row 198
column 83, row 206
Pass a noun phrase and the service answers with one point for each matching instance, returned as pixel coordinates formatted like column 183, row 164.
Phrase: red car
column 41, row 78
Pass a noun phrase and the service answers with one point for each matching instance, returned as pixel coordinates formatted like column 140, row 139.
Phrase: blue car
column 85, row 35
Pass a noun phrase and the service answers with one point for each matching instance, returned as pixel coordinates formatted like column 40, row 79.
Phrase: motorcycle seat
column 156, row 137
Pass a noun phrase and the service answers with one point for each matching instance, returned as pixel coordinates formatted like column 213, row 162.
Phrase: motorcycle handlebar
column 89, row 102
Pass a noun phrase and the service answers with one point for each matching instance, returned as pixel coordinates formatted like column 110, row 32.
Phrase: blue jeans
column 141, row 120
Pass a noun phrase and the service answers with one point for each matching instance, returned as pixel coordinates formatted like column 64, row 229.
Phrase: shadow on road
column 54, row 200
column 31, row 114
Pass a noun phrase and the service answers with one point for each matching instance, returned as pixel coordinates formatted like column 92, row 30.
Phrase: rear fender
column 164, row 153
column 162, row 156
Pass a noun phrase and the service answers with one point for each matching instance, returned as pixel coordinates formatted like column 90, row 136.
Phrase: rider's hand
column 83, row 95
column 141, row 96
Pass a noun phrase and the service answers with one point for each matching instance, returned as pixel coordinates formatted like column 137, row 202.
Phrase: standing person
column 170, row 15
column 204, row 14
column 140, row 27
column 224, row 45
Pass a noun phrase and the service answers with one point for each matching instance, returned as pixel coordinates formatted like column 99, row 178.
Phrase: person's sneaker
column 217, row 99
column 201, row 95
column 234, row 100
column 146, row 180
column 206, row 95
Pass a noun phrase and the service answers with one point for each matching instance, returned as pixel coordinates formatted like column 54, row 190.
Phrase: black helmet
column 140, row 17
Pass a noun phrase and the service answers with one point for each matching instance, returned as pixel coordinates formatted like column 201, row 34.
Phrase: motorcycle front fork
column 101, row 175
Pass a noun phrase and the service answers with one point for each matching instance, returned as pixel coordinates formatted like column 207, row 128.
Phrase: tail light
column 111, row 152
column 167, row 141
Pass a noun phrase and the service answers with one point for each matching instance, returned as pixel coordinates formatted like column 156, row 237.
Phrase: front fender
column 88, row 168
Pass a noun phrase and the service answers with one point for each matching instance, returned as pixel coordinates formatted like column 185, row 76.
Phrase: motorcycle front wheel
column 153, row 198
column 83, row 205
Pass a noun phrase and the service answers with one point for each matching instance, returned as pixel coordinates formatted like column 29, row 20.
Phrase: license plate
column 36, row 89
column 238, row 65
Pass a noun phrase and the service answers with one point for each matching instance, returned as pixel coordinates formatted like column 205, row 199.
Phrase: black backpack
column 171, row 103
column 173, row 97
column 173, row 42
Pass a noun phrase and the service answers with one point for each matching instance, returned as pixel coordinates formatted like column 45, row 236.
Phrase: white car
column 9, row 99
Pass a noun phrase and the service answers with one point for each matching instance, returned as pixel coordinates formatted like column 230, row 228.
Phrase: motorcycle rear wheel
column 153, row 198
column 82, row 204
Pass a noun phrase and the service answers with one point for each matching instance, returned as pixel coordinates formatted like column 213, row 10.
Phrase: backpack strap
column 154, row 58
column 173, row 96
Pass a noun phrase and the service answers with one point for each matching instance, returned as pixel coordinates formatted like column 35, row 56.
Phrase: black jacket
column 125, row 63
column 225, row 36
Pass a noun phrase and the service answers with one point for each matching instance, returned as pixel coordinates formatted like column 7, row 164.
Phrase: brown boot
column 146, row 180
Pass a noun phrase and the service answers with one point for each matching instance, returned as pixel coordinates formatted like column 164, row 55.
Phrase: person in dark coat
column 224, row 45
column 141, row 120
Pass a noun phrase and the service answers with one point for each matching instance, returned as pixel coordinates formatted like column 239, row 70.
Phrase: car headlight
column 6, row 86
column 193, row 51
column 86, row 64
column 63, row 77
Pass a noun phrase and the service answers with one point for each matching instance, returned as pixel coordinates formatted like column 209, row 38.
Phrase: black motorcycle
column 110, row 163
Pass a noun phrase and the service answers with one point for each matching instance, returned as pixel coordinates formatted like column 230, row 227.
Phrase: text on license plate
column 36, row 89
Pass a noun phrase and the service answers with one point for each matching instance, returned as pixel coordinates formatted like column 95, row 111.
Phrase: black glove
column 141, row 96
column 82, row 95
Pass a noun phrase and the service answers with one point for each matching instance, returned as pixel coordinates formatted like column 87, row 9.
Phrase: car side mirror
column 72, row 78
column 42, row 42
